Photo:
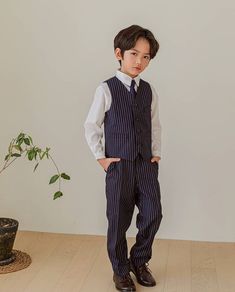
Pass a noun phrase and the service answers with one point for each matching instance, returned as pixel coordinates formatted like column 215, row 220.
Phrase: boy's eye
column 133, row 53
column 147, row 57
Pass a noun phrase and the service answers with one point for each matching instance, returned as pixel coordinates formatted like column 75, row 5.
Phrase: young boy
column 128, row 107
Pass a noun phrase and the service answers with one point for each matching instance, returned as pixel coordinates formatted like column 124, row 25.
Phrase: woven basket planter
column 8, row 230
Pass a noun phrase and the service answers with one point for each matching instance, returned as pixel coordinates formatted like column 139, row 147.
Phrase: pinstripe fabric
column 134, row 179
column 127, row 124
column 130, row 183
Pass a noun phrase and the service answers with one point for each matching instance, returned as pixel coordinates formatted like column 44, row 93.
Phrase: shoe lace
column 145, row 267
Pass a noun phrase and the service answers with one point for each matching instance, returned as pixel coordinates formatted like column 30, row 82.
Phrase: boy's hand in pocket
column 155, row 159
column 105, row 162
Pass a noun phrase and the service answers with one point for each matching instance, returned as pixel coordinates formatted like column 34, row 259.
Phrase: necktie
column 132, row 88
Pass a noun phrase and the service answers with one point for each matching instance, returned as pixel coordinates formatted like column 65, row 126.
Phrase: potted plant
column 19, row 146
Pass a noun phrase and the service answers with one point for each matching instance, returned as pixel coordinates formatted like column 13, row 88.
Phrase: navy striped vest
column 127, row 124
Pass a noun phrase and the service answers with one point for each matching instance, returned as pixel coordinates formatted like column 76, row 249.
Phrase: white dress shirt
column 101, row 104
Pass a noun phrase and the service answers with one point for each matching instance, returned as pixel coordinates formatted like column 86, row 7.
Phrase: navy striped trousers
column 130, row 183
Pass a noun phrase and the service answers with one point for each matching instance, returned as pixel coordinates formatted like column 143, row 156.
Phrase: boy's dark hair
column 127, row 38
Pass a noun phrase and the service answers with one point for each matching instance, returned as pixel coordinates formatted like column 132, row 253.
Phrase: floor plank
column 80, row 263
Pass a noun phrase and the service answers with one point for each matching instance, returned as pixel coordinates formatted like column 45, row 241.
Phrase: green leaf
column 54, row 178
column 10, row 147
column 21, row 136
column 26, row 141
column 42, row 155
column 7, row 156
column 31, row 140
column 35, row 167
column 47, row 150
column 35, row 154
column 15, row 154
column 57, row 195
column 30, row 154
column 65, row 176
column 20, row 141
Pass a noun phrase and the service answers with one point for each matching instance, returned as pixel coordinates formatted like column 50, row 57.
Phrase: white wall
column 53, row 56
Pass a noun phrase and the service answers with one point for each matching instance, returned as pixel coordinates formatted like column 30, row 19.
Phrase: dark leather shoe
column 124, row 283
column 143, row 275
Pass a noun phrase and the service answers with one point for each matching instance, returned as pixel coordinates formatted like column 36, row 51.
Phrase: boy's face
column 136, row 59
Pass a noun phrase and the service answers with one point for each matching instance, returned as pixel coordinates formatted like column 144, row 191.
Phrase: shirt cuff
column 99, row 156
column 156, row 153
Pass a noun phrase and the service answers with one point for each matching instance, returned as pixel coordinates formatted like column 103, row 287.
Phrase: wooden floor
column 69, row 263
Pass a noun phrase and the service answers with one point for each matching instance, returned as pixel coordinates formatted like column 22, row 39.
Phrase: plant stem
column 6, row 165
column 56, row 168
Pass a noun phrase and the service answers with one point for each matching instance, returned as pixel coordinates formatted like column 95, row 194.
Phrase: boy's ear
column 118, row 54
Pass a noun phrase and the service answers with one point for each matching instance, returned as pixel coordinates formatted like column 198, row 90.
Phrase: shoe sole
column 125, row 290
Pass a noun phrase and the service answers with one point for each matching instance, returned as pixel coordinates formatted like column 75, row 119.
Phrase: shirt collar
column 126, row 79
